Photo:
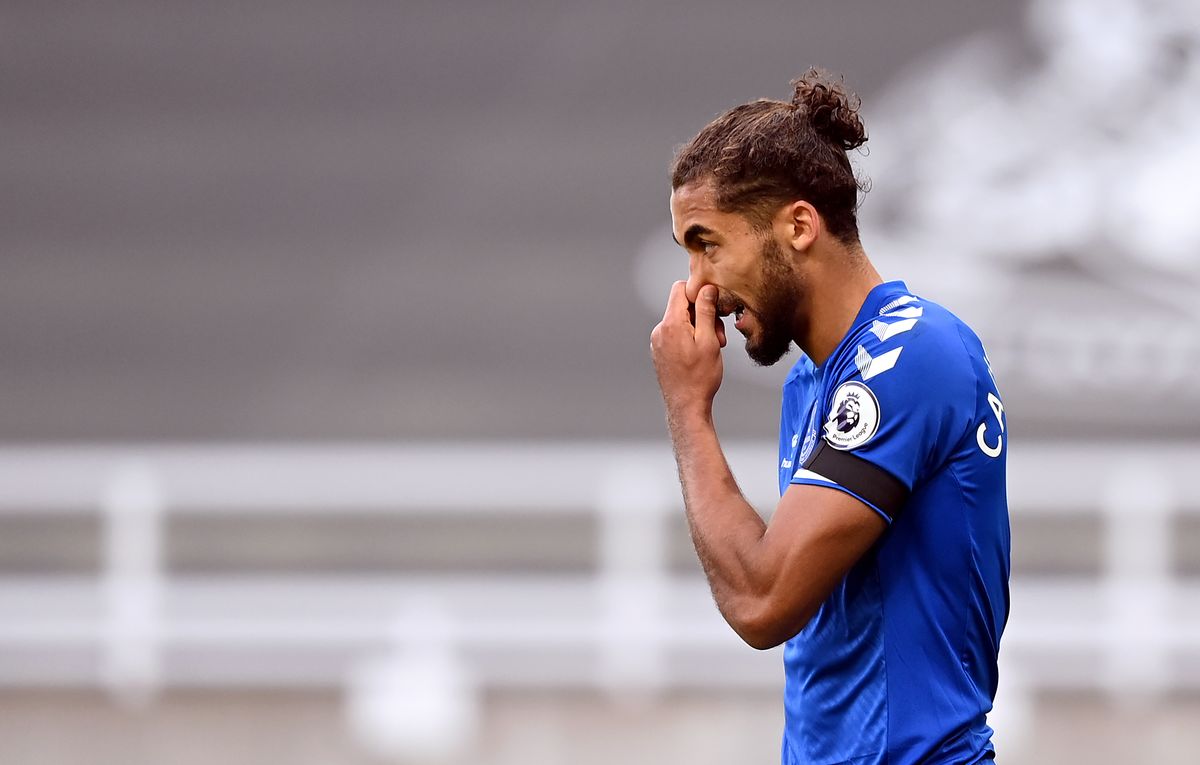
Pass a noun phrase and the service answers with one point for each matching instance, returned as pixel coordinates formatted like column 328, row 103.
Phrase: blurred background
column 329, row 432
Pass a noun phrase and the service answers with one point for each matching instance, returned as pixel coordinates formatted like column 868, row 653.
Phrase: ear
column 802, row 225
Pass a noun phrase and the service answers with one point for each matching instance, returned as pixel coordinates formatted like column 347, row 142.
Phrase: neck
column 835, row 288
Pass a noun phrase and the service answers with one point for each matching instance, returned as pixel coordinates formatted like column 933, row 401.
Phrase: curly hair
column 766, row 153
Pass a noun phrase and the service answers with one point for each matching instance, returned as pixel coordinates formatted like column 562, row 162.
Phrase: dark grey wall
column 379, row 220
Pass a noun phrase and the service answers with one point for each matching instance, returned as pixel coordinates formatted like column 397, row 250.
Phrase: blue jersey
column 899, row 664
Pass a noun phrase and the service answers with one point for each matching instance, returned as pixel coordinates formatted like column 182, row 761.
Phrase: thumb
column 706, row 312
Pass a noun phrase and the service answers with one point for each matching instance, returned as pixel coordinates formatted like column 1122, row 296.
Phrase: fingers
column 677, row 303
column 706, row 315
column 720, row 325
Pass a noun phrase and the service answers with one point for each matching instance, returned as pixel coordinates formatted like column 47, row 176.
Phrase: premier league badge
column 853, row 416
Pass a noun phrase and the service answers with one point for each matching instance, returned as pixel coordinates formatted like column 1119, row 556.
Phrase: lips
column 741, row 320
column 734, row 307
column 731, row 307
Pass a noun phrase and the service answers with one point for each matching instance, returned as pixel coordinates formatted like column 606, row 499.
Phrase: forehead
column 694, row 204
column 692, row 199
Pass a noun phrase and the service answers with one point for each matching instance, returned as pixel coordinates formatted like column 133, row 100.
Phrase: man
column 885, row 565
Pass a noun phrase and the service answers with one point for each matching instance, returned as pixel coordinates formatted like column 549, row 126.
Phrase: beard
column 776, row 311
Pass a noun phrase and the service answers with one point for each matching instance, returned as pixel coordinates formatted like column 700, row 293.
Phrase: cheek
column 741, row 278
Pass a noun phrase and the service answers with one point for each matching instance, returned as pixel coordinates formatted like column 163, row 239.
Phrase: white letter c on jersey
column 998, row 410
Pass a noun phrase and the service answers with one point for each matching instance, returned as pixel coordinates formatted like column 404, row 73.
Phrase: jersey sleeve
column 898, row 400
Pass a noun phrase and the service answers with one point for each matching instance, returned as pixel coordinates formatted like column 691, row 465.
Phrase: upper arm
column 895, row 412
column 815, row 536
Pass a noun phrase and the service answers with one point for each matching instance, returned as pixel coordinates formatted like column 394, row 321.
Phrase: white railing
column 632, row 626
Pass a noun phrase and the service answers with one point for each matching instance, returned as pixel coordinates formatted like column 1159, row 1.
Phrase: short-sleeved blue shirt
column 899, row 664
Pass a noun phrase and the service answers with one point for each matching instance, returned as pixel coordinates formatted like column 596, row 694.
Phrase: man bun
column 765, row 153
column 831, row 109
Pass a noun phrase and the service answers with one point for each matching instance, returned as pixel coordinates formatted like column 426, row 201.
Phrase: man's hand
column 687, row 356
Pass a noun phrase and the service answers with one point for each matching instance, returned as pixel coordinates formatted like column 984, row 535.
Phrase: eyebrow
column 694, row 231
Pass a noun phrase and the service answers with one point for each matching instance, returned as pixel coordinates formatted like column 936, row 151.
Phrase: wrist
column 689, row 416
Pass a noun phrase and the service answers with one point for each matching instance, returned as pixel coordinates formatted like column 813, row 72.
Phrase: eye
column 706, row 247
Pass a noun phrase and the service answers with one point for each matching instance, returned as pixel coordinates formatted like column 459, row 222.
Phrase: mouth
column 737, row 309
column 734, row 307
column 739, row 320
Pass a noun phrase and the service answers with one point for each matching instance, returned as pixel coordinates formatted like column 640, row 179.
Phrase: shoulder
column 904, row 388
column 908, row 366
column 911, row 340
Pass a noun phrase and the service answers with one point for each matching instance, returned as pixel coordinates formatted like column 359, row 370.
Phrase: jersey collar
column 879, row 296
column 877, row 299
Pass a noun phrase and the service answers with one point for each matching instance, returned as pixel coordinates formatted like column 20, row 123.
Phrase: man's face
column 754, row 277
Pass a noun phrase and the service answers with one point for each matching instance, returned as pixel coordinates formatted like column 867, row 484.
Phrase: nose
column 697, row 278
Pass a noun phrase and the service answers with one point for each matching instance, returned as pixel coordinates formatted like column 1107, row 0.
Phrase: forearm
column 725, row 529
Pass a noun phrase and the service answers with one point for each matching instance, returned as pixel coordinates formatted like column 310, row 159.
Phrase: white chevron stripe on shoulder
column 870, row 366
column 902, row 300
column 886, row 331
column 912, row 312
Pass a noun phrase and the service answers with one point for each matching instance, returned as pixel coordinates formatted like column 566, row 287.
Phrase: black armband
column 855, row 474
